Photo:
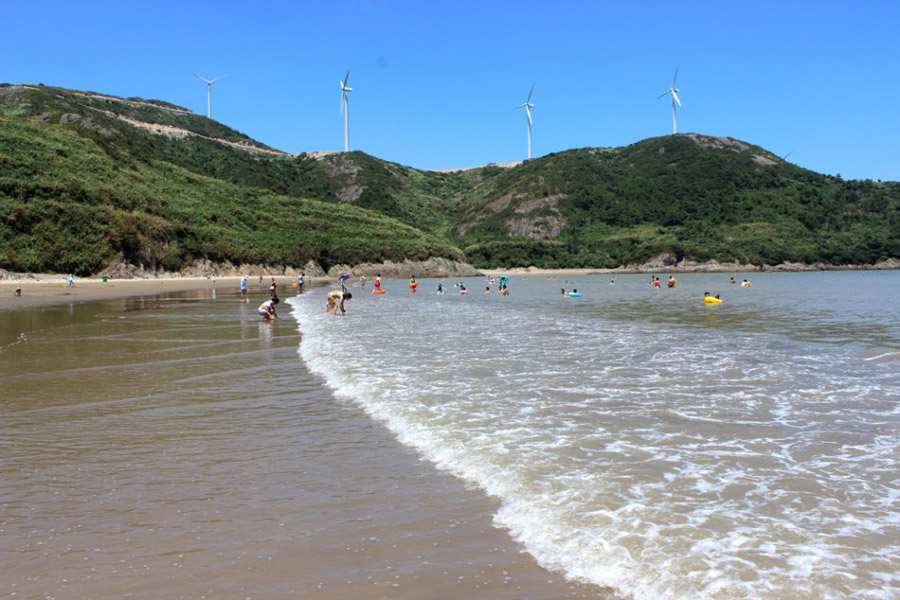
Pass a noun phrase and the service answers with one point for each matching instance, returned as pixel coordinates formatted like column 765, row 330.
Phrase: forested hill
column 86, row 179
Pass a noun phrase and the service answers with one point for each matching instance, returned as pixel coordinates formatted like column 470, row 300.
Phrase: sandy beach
column 39, row 290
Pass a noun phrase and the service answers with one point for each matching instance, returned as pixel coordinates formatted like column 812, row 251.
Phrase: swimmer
column 267, row 309
column 746, row 283
column 672, row 282
column 562, row 291
column 336, row 300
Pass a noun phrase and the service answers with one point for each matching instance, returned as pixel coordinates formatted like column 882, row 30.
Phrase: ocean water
column 641, row 439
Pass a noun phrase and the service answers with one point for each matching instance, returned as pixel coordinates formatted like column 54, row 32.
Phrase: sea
column 640, row 439
column 634, row 442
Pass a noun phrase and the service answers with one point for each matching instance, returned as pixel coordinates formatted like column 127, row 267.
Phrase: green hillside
column 691, row 196
column 73, row 198
column 86, row 179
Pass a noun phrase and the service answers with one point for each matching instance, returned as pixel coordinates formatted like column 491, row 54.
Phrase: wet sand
column 173, row 446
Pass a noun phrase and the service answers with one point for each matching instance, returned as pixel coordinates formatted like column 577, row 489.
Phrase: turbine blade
column 675, row 98
column 675, row 77
column 528, row 112
column 346, row 78
column 663, row 94
column 529, row 93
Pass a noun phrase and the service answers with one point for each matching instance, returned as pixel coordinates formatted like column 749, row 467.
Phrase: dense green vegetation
column 71, row 202
column 81, row 185
column 686, row 196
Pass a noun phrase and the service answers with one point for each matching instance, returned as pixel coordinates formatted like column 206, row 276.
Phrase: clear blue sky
column 436, row 83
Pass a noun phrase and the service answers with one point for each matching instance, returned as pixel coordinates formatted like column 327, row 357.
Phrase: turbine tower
column 345, row 108
column 674, row 91
column 209, row 83
column 528, row 106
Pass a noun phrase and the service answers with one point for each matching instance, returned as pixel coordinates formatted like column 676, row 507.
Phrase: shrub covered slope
column 86, row 179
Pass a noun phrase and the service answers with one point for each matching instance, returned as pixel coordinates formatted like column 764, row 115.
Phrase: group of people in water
column 335, row 300
column 654, row 281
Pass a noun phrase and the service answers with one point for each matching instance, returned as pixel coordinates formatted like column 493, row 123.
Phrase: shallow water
column 643, row 440
column 176, row 447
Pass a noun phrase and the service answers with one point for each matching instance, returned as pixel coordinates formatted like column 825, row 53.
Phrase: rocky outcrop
column 667, row 263
column 535, row 218
column 88, row 123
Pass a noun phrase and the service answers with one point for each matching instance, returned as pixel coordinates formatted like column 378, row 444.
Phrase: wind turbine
column 674, row 91
column 345, row 108
column 209, row 83
column 528, row 106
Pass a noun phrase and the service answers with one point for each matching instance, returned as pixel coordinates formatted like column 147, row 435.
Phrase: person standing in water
column 378, row 282
column 300, row 283
column 335, row 300
column 244, row 297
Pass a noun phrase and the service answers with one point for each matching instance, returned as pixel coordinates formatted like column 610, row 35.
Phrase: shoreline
column 46, row 289
column 203, row 459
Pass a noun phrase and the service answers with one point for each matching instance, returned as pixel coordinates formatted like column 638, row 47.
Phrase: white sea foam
column 667, row 460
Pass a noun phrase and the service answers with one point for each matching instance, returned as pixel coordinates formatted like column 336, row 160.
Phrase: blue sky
column 436, row 83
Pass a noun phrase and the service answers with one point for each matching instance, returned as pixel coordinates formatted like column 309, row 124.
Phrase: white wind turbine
column 209, row 83
column 674, row 91
column 345, row 108
column 528, row 106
